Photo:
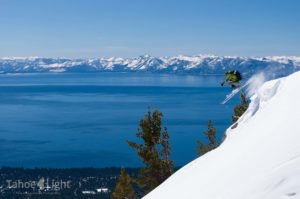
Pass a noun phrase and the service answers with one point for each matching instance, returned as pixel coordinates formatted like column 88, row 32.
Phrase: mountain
column 199, row 64
column 259, row 159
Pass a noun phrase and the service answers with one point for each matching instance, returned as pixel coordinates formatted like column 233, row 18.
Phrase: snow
column 284, row 59
column 32, row 58
column 259, row 159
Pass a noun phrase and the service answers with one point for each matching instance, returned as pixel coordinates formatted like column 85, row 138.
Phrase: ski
column 233, row 93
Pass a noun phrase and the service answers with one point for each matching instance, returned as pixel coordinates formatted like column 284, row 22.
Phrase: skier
column 233, row 77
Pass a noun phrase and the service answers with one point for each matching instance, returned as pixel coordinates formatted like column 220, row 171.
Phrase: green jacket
column 232, row 78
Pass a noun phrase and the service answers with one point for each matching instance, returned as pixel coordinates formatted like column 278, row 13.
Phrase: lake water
column 81, row 120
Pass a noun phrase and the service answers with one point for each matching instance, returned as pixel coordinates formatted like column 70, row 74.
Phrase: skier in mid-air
column 233, row 78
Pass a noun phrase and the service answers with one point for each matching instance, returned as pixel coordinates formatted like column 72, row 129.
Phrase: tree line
column 154, row 151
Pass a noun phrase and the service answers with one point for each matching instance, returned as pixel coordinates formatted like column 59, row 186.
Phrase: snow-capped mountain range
column 198, row 64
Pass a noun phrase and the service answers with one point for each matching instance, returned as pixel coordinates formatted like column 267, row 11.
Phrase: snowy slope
column 198, row 64
column 260, row 158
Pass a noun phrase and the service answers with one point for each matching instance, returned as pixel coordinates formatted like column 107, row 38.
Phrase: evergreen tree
column 241, row 108
column 202, row 147
column 154, row 151
column 123, row 189
column 165, row 153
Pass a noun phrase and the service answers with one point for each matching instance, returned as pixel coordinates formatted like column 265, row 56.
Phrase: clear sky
column 129, row 28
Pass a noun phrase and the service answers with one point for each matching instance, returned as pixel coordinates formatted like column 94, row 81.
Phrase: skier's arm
column 226, row 80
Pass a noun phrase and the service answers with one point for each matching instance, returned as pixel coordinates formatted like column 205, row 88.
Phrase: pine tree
column 154, row 151
column 240, row 109
column 202, row 147
column 165, row 153
column 123, row 189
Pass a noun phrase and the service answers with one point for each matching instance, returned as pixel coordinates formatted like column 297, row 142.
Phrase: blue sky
column 129, row 28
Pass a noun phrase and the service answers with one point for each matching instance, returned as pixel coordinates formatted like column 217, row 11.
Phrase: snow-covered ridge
column 259, row 159
column 198, row 64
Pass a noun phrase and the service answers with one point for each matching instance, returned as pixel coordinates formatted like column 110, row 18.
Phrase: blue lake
column 84, row 120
